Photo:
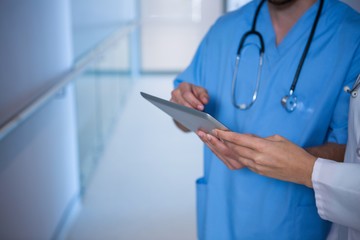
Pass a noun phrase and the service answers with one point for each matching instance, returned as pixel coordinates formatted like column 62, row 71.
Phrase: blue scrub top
column 241, row 204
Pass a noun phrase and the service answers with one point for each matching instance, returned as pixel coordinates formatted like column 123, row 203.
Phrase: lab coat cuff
column 318, row 185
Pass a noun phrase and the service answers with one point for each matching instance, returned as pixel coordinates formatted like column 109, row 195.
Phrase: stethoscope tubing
column 284, row 100
column 307, row 47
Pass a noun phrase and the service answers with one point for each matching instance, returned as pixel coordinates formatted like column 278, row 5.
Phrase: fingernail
column 214, row 132
column 200, row 107
column 208, row 137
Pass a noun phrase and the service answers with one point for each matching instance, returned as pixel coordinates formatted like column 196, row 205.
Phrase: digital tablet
column 190, row 118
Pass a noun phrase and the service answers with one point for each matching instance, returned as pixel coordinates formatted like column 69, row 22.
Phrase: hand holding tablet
column 192, row 119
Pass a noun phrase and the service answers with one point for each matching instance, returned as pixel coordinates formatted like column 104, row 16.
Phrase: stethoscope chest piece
column 289, row 102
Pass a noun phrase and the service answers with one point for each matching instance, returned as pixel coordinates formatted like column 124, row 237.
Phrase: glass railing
column 102, row 78
column 101, row 93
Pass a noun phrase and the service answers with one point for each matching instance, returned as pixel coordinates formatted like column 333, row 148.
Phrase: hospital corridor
column 144, row 185
column 83, row 155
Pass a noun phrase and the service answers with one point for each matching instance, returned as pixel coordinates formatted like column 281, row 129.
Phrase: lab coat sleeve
column 337, row 192
column 339, row 122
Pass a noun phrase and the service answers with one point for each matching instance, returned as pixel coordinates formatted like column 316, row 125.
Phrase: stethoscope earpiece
column 353, row 91
column 347, row 89
column 354, row 94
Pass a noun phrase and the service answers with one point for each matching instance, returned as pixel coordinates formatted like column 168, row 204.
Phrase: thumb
column 201, row 93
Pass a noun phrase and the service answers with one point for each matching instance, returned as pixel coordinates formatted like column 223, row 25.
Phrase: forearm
column 329, row 150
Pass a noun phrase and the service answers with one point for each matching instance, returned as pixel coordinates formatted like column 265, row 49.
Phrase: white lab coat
column 337, row 185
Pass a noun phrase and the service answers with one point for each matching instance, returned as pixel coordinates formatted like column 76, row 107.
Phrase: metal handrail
column 18, row 118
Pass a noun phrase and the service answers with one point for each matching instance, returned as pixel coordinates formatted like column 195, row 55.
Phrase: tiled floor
column 144, row 185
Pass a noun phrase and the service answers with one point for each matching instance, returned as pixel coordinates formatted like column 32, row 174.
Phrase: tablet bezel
column 190, row 118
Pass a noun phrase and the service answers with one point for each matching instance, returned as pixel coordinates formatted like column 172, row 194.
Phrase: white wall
column 171, row 31
column 235, row 4
column 35, row 47
column 93, row 20
column 38, row 161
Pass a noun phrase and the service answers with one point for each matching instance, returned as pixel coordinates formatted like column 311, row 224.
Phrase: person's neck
column 283, row 17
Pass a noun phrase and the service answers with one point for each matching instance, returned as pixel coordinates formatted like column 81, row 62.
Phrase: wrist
column 309, row 170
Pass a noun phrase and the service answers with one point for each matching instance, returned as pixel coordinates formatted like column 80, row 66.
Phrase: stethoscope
column 289, row 101
column 354, row 90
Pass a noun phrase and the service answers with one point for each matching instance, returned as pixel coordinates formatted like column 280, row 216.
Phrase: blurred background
column 82, row 155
